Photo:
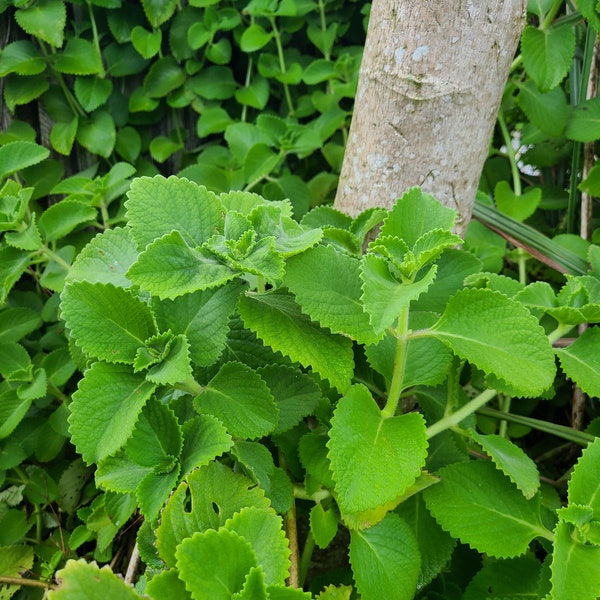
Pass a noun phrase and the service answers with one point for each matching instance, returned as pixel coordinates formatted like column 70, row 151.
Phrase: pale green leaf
column 16, row 323
column 335, row 302
column 512, row 461
column 45, row 20
column 499, row 336
column 15, row 364
column 254, row 38
column 79, row 57
column 175, row 366
column 79, row 579
column 98, row 133
column 105, row 408
column 214, row 564
column 120, row 474
column 581, row 361
column 21, row 57
column 147, row 43
column 12, row 410
column 584, row 485
column 373, row 459
column 548, row 111
column 153, row 491
column 14, row 560
column 203, row 317
column 92, row 92
column 204, row 438
column 13, row 263
column 216, row 495
column 159, row 11
column 167, row 586
column 331, row 592
column 385, row 560
column 263, row 530
column 241, row 400
column 575, row 566
column 60, row 219
column 19, row 155
column 254, row 587
column 323, row 525
column 436, row 545
column 519, row 207
column 296, row 394
column 474, row 501
column 169, row 268
column 584, row 121
column 547, row 54
column 106, row 259
column 256, row 461
column 106, row 321
column 279, row 323
column 384, row 297
column 312, row 450
column 62, row 135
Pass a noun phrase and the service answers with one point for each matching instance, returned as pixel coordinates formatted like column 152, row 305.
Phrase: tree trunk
column 430, row 84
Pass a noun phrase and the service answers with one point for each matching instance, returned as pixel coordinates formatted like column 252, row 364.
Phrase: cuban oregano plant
column 243, row 371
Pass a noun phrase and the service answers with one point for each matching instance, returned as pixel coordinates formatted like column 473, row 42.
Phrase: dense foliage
column 220, row 376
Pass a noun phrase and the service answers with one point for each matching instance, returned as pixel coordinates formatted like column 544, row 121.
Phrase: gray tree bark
column 430, row 85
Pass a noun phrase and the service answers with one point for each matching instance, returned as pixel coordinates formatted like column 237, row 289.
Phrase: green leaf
column 175, row 366
column 581, row 362
column 384, row 297
column 62, row 135
column 16, row 156
column 161, row 147
column 518, row 207
column 254, row 38
column 105, row 408
column 323, row 525
column 16, row 323
column 584, row 484
column 255, row 95
column 80, row 579
column 15, row 364
column 147, row 43
column 156, row 206
column 584, row 121
column 23, row 90
column 474, row 501
column 44, row 19
column 92, row 92
column 575, row 566
column 79, row 58
column 106, row 321
column 169, row 268
column 216, row 495
column 548, row 111
column 318, row 71
column 335, row 302
column 262, row 529
column 241, row 400
column 278, row 322
column 499, row 336
column 214, row 83
column 547, row 54
column 373, row 459
column 13, row 263
column 159, row 11
column 385, row 560
column 120, row 474
column 167, row 586
column 106, row 259
column 22, row 58
column 14, row 560
column 153, row 491
column 204, row 438
column 12, row 410
column 62, row 218
column 259, row 162
column 512, row 461
column 98, row 133
column 296, row 394
column 214, row 564
column 435, row 545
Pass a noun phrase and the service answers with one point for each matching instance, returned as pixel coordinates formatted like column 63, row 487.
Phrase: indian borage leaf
column 106, row 259
column 216, row 494
column 581, row 361
column 474, row 501
column 373, row 459
column 106, row 321
column 385, row 560
column 156, row 206
column 327, row 286
column 169, row 268
column 105, row 408
column 153, row 491
column 241, row 400
column 175, row 367
column 262, row 529
column 254, row 587
column 584, row 485
column 278, row 321
column 499, row 336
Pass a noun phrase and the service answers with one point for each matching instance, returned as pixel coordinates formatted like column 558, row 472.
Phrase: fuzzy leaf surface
column 581, row 361
column 584, row 485
column 214, row 564
column 333, row 301
column 385, row 560
column 512, row 461
column 474, row 501
column 279, row 323
column 216, row 494
column 107, row 322
column 241, row 400
column 105, row 408
column 156, row 206
column 499, row 336
column 263, row 529
column 373, row 459
column 169, row 268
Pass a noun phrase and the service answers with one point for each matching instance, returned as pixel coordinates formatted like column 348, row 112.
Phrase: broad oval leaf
column 18, row 155
column 581, row 361
column 45, row 20
column 584, row 121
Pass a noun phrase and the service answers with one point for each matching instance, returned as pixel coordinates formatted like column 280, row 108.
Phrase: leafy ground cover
column 192, row 407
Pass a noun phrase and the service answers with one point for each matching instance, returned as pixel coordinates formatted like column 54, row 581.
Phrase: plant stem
column 389, row 410
column 305, row 558
column 55, row 257
column 27, row 582
column 462, row 413
column 191, row 386
column 551, row 14
column 292, row 535
column 561, row 330
column 505, row 409
column 102, row 73
column 286, row 89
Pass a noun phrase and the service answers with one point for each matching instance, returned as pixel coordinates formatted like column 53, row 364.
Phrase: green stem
column 305, row 558
column 512, row 156
column 301, row 494
column 505, row 409
column 389, row 410
column 55, row 257
column 462, row 413
column 27, row 582
column 551, row 14
column 560, row 331
column 191, row 386
column 286, row 89
column 102, row 73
